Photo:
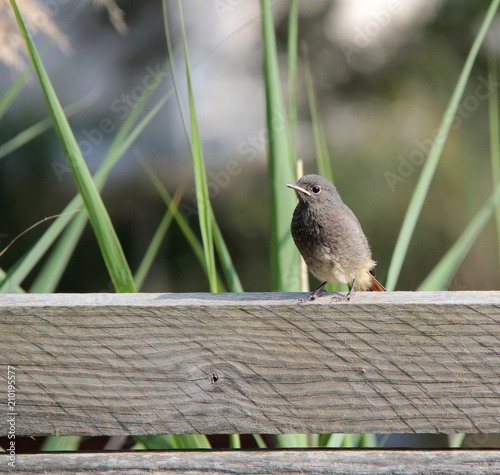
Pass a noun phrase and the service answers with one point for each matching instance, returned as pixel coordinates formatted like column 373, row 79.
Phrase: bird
column 330, row 239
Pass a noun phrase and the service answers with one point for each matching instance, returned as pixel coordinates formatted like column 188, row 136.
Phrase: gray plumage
column 329, row 236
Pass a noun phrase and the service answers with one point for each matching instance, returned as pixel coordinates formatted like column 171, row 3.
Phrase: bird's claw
column 341, row 298
column 311, row 297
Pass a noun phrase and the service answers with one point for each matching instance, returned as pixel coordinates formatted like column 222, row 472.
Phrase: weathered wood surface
column 107, row 364
column 312, row 462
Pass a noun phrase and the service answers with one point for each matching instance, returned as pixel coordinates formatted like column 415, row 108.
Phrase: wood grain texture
column 339, row 462
column 107, row 364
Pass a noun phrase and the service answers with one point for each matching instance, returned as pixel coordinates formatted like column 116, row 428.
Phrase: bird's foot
column 341, row 298
column 347, row 297
column 314, row 295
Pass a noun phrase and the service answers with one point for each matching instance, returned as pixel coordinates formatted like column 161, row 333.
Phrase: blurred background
column 383, row 73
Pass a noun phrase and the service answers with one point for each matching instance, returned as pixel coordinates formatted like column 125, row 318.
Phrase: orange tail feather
column 376, row 286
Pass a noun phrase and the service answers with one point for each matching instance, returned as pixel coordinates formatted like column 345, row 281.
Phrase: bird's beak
column 299, row 188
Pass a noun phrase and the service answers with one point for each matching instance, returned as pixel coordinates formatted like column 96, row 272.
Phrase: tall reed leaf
column 47, row 279
column 220, row 245
column 284, row 441
column 232, row 278
column 65, row 443
column 456, row 440
column 11, row 94
column 51, row 273
column 202, row 196
column 446, row 268
column 284, row 254
column 494, row 136
column 431, row 163
column 23, row 266
column 14, row 289
column 152, row 251
column 58, row 259
column 108, row 241
column 332, row 440
column 40, row 127
column 181, row 221
column 111, row 250
column 322, row 155
column 234, row 441
column 293, row 34
column 185, row 441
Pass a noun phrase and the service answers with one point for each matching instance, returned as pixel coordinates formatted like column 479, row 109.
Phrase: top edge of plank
column 250, row 298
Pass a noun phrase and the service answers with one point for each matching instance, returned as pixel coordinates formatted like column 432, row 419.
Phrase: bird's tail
column 376, row 285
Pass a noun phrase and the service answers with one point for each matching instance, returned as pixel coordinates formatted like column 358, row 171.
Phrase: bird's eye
column 316, row 189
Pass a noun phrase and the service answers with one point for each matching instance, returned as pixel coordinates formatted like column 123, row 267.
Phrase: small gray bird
column 330, row 238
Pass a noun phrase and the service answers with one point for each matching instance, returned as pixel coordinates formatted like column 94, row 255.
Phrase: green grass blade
column 11, row 289
column 234, row 441
column 321, row 146
column 163, row 442
column 431, row 163
column 332, row 440
column 284, row 254
column 24, row 266
column 11, row 94
column 40, row 127
column 456, row 440
column 293, row 33
column 124, row 139
column 65, row 443
column 202, row 197
column 152, row 250
column 175, row 81
column 284, row 441
column 325, row 164
column 351, row 440
column 383, row 441
column 53, row 269
column 180, row 220
column 368, row 440
column 195, row 148
column 232, row 279
column 108, row 241
column 494, row 135
column 14, row 90
column 120, row 144
column 260, row 441
column 58, row 263
column 322, row 155
column 156, row 442
column 191, row 441
column 185, row 441
column 446, row 268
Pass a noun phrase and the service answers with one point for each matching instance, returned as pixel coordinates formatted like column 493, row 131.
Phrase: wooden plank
column 107, row 364
column 339, row 462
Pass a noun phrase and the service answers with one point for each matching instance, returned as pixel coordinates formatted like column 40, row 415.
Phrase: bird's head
column 315, row 189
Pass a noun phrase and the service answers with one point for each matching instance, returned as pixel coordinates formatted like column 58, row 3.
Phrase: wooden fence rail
column 272, row 462
column 108, row 364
